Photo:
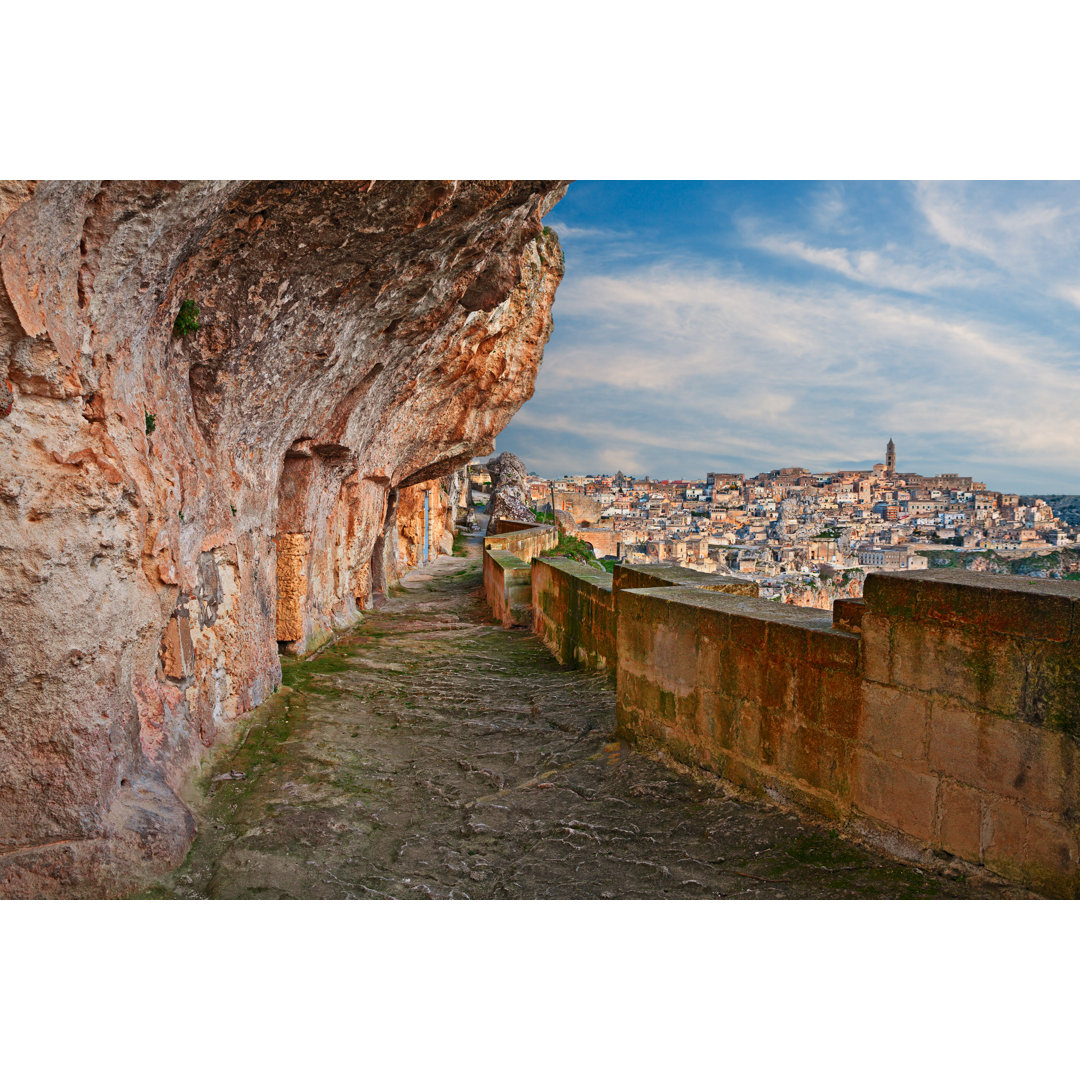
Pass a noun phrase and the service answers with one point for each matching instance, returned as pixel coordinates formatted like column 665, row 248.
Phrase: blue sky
column 741, row 326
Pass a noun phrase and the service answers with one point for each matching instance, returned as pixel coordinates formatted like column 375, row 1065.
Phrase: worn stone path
column 431, row 753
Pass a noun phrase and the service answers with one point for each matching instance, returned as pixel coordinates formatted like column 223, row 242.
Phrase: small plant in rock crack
column 232, row 507
column 180, row 513
column 151, row 423
column 187, row 319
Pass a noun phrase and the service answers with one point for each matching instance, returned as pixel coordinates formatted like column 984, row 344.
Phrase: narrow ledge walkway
column 433, row 754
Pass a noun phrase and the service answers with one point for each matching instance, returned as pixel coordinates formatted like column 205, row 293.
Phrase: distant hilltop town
column 809, row 537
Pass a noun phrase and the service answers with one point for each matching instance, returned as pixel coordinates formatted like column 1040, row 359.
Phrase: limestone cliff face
column 173, row 507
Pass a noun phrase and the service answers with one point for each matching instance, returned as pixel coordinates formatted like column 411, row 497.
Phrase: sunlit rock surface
column 355, row 339
column 509, row 500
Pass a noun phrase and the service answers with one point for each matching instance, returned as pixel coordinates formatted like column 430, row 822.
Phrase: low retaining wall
column 507, row 573
column 574, row 612
column 508, row 588
column 940, row 713
column 764, row 694
column 523, row 540
column 970, row 719
column 943, row 711
column 660, row 575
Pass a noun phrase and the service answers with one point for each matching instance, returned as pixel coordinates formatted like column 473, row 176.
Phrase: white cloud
column 1030, row 230
column 585, row 232
column 676, row 364
column 869, row 267
column 959, row 341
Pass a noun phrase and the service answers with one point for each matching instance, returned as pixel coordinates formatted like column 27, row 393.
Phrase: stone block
column 893, row 595
column 748, row 633
column 786, row 640
column 749, row 673
column 895, row 794
column 895, row 722
column 726, row 719
column 841, row 706
column 1052, row 857
column 773, row 727
column 997, row 755
column 748, row 730
column 959, row 601
column 1004, row 825
column 726, row 674
column 1027, row 615
column 832, row 648
column 673, row 657
column 918, row 661
column 739, row 771
column 808, row 694
column 876, row 647
column 778, row 685
column 848, row 614
column 689, row 717
column 960, row 824
column 818, row 758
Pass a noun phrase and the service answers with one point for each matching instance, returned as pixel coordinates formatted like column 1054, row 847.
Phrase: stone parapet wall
column 970, row 718
column 574, row 612
column 508, row 587
column 764, row 694
column 940, row 714
column 507, row 573
column 660, row 575
column 524, row 541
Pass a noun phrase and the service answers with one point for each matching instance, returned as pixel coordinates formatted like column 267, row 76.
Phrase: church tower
column 890, row 458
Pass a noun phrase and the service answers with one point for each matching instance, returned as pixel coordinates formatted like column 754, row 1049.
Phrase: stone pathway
column 433, row 754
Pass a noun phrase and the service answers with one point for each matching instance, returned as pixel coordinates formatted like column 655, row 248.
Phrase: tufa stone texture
column 508, row 496
column 355, row 339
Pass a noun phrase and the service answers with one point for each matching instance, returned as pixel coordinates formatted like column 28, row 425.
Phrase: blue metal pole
column 427, row 496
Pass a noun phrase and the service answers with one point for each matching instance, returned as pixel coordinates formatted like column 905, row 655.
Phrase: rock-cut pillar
column 292, row 585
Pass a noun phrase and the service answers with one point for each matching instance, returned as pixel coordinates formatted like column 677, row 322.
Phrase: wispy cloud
column 688, row 362
column 1025, row 229
column 870, row 267
column 585, row 232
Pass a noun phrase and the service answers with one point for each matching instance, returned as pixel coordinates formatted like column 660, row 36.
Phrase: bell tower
column 890, row 458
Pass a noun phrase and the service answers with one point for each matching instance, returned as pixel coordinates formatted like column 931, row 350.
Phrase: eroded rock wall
column 356, row 340
column 509, row 498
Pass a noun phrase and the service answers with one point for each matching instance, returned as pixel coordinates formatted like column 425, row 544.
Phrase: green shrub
column 151, row 423
column 570, row 547
column 187, row 319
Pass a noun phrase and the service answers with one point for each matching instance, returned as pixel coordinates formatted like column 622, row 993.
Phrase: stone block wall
column 523, row 540
column 940, row 713
column 507, row 573
column 970, row 718
column 764, row 694
column 659, row 575
column 574, row 612
column 508, row 587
